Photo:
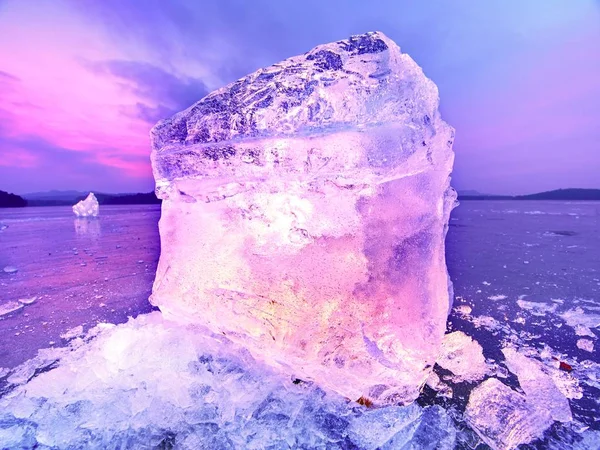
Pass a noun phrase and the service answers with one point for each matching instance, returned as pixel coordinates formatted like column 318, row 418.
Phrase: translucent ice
column 462, row 356
column 304, row 214
column 88, row 207
column 503, row 418
column 152, row 383
column 585, row 344
column 537, row 382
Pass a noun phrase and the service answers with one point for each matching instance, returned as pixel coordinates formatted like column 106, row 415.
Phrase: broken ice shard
column 304, row 213
column 88, row 207
column 503, row 418
column 462, row 356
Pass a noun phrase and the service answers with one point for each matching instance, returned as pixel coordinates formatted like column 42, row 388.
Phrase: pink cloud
column 49, row 94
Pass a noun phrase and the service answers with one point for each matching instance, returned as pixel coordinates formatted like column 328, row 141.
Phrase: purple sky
column 82, row 81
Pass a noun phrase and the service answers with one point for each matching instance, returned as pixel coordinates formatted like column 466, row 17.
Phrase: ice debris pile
column 152, row 383
column 304, row 213
column 88, row 207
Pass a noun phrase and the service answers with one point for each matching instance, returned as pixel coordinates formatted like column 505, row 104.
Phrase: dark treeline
column 68, row 199
column 148, row 198
column 559, row 194
column 8, row 200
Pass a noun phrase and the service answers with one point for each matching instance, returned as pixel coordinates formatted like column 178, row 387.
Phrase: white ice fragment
column 442, row 389
column 486, row 322
column 463, row 310
column 578, row 316
column 537, row 308
column 580, row 330
column 585, row 344
column 28, row 300
column 88, row 207
column 503, row 418
column 462, row 356
column 497, row 297
column 10, row 269
column 9, row 308
column 537, row 383
column 304, row 213
column 4, row 371
column 72, row 333
column 567, row 384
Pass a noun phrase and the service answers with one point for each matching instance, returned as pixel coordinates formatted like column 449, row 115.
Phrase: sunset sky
column 82, row 81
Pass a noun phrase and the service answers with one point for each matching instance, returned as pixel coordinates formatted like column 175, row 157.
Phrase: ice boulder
column 88, row 207
column 304, row 213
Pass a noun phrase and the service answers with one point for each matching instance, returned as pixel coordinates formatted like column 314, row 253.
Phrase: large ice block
column 88, row 207
column 304, row 213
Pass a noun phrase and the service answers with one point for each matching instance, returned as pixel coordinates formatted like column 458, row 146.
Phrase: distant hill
column 559, row 194
column 8, row 200
column 564, row 194
column 148, row 198
column 54, row 198
column 68, row 198
column 471, row 193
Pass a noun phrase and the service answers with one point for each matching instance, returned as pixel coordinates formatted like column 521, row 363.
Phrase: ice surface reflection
column 88, row 227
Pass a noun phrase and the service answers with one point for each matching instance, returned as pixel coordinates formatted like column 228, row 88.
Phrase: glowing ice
column 152, row 383
column 304, row 214
column 88, row 207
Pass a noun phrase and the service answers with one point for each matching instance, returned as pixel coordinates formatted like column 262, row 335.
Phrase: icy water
column 524, row 273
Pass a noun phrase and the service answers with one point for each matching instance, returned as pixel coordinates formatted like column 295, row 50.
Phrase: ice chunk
column 585, row 344
column 72, row 333
column 304, row 213
column 580, row 330
column 462, row 356
column 537, row 308
column 537, row 382
column 441, row 388
column 152, row 383
column 578, row 316
column 436, row 431
column 486, row 322
column 9, row 308
column 27, row 300
column 10, row 269
column 463, row 310
column 503, row 418
column 88, row 207
column 379, row 426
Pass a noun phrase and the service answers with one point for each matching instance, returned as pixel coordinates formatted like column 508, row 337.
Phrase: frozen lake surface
column 80, row 271
column 525, row 274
